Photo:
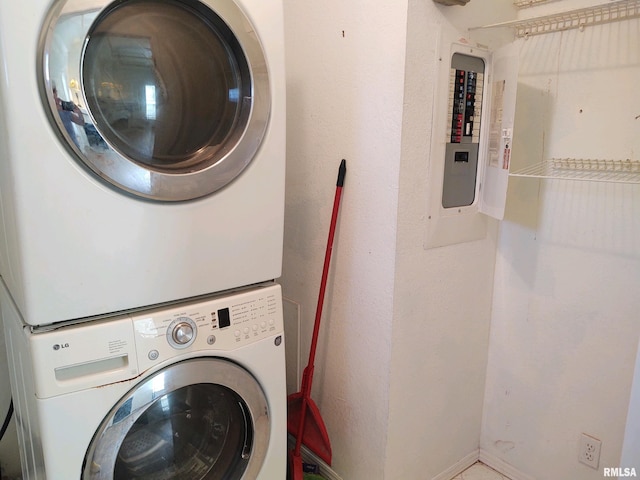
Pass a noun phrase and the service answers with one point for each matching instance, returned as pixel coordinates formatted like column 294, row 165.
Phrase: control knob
column 182, row 333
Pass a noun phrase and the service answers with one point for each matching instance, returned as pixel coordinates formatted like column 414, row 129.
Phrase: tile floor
column 479, row 471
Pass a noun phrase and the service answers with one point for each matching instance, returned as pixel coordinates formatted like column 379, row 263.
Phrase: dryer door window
column 168, row 100
column 199, row 419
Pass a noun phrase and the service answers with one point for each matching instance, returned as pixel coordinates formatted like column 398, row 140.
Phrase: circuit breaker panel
column 466, row 85
column 473, row 130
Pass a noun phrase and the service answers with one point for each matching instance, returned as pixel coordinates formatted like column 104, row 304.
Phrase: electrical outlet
column 589, row 452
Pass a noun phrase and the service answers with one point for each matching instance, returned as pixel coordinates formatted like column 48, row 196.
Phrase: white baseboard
column 502, row 467
column 459, row 467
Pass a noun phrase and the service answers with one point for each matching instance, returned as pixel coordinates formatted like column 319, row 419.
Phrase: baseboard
column 503, row 467
column 458, row 467
column 309, row 457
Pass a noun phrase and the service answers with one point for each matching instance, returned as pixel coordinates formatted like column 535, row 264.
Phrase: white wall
column 403, row 354
column 565, row 329
column 400, row 368
column 345, row 64
column 442, row 301
column 631, row 445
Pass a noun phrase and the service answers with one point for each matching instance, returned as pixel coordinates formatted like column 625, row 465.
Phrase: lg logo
column 58, row 346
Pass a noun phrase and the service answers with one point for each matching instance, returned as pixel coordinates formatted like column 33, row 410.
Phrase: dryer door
column 165, row 99
column 198, row 419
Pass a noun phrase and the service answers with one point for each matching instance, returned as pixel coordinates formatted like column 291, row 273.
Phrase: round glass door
column 198, row 420
column 165, row 99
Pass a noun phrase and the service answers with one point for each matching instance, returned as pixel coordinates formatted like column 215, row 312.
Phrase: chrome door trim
column 165, row 184
column 102, row 452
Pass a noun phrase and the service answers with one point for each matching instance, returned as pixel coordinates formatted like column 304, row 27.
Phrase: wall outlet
column 589, row 452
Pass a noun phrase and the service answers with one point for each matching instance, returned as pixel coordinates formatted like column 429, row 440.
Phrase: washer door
column 165, row 99
column 198, row 419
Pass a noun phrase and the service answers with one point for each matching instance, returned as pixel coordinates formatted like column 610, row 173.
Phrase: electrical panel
column 466, row 84
column 471, row 147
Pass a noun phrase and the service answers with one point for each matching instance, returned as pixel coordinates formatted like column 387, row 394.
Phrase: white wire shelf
column 580, row 18
column 593, row 170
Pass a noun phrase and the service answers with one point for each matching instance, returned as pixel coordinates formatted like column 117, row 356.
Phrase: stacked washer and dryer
column 142, row 157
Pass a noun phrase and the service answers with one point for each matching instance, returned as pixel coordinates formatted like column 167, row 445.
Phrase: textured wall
column 345, row 77
column 402, row 356
column 565, row 326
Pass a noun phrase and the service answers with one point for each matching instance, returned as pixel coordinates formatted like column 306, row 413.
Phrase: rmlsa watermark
column 620, row 472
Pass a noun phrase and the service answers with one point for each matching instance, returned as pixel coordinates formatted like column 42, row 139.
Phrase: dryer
column 194, row 390
column 142, row 151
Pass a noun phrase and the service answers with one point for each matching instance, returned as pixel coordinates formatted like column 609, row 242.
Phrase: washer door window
column 199, row 419
column 165, row 99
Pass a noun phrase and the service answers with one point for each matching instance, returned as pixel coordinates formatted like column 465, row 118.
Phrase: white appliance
column 5, row 389
column 173, row 186
column 192, row 390
column 9, row 453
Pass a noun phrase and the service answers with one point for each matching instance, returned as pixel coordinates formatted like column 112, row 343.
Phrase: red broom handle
column 307, row 375
column 325, row 270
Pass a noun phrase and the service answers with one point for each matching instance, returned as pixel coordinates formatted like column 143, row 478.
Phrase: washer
column 5, row 388
column 142, row 151
column 9, row 453
column 193, row 390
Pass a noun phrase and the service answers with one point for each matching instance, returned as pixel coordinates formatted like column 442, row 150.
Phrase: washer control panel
column 218, row 323
column 90, row 354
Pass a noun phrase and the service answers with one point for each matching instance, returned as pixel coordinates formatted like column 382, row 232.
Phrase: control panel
column 90, row 354
column 224, row 323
